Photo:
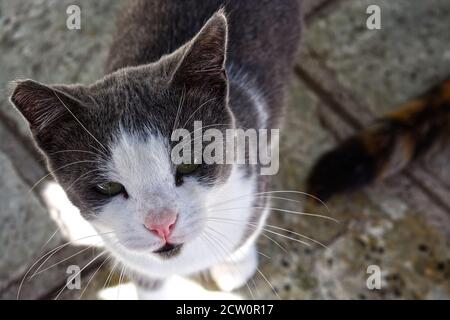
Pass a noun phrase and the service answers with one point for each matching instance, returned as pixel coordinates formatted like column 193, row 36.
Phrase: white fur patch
column 178, row 288
column 175, row 288
column 237, row 270
column 211, row 221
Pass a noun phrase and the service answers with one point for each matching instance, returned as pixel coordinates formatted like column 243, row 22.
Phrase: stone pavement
column 346, row 75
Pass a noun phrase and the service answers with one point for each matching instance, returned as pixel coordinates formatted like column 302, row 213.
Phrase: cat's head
column 109, row 144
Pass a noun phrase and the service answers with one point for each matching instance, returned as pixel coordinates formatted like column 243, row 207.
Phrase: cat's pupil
column 178, row 180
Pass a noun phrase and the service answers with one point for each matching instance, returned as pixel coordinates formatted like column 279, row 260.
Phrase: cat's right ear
column 44, row 107
column 203, row 61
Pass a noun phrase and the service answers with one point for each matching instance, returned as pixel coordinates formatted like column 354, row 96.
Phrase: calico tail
column 385, row 147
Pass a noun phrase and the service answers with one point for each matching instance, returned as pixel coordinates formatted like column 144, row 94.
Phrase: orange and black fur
column 385, row 147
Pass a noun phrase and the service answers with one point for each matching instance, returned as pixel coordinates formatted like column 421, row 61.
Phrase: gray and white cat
column 108, row 144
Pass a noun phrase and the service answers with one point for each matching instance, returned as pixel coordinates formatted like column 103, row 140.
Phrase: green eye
column 186, row 168
column 110, row 188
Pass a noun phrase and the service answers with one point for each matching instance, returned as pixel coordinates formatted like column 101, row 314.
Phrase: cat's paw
column 237, row 270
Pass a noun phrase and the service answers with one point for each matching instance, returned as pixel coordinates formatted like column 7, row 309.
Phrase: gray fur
column 153, row 65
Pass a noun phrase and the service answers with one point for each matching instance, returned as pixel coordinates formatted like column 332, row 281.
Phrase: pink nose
column 161, row 222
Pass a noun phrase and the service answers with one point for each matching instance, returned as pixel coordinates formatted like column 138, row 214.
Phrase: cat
column 386, row 146
column 227, row 64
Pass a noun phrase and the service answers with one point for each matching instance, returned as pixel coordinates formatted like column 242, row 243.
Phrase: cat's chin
column 165, row 251
column 158, row 251
column 169, row 250
column 163, row 262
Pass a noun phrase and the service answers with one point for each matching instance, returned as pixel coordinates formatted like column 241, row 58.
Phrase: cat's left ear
column 48, row 109
column 203, row 62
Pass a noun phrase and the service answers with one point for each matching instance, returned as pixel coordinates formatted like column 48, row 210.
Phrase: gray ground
column 346, row 75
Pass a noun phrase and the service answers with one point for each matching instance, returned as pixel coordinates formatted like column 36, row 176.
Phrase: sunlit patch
column 125, row 291
column 68, row 217
column 175, row 288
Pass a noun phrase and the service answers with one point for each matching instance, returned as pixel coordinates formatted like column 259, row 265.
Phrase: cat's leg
column 148, row 288
column 151, row 290
column 237, row 269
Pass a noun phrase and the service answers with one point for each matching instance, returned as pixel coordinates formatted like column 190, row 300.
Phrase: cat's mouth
column 168, row 250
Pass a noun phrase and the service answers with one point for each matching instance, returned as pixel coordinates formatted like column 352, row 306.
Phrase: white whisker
column 193, row 113
column 79, row 122
column 280, row 210
column 50, row 239
column 270, row 193
column 180, row 104
column 92, row 277
column 59, row 262
column 78, row 273
column 268, row 282
column 50, row 254
column 62, row 167
column 233, row 262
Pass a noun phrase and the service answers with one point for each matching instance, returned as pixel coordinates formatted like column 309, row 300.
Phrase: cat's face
column 109, row 146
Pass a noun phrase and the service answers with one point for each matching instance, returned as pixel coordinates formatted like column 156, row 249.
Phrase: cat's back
column 262, row 33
